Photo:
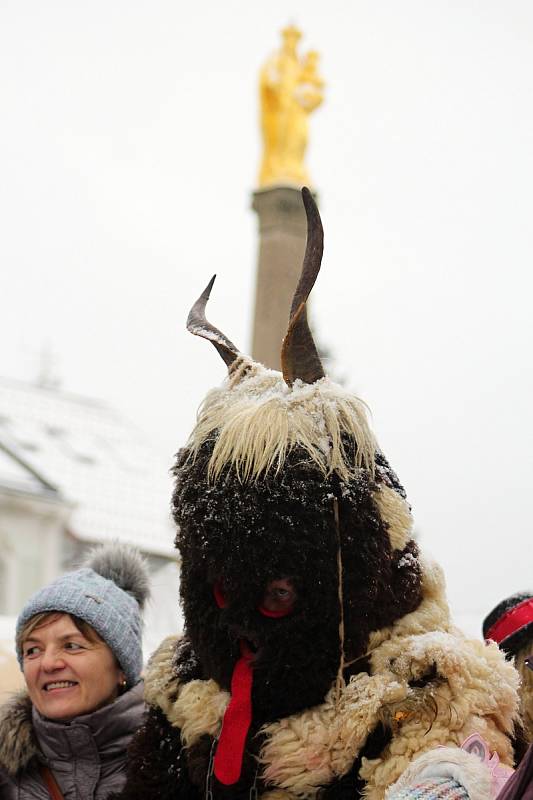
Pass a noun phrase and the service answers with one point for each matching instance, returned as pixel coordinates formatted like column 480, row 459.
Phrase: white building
column 74, row 473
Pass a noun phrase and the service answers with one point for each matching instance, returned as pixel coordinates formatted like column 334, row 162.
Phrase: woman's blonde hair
column 43, row 617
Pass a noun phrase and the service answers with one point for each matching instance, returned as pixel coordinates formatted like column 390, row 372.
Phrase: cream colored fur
column 395, row 512
column 258, row 419
column 449, row 762
column 161, row 685
column 474, row 691
column 196, row 707
column 310, row 749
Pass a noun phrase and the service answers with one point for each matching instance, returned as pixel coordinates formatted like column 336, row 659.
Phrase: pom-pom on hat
column 108, row 592
column 510, row 623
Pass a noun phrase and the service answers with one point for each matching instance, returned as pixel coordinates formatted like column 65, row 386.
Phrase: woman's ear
column 122, row 682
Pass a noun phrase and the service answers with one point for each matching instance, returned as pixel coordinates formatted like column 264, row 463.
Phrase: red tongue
column 236, row 722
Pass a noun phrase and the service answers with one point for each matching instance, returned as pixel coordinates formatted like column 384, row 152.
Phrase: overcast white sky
column 129, row 147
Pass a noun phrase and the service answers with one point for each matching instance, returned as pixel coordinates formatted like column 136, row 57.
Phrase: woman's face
column 66, row 674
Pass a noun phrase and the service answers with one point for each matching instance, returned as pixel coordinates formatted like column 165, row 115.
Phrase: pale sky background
column 129, row 147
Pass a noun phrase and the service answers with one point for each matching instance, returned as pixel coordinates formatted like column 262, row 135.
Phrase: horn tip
column 309, row 201
column 207, row 291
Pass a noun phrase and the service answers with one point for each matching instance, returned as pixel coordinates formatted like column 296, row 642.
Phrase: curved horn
column 299, row 356
column 198, row 324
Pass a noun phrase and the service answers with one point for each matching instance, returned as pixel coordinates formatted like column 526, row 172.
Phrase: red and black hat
column 510, row 623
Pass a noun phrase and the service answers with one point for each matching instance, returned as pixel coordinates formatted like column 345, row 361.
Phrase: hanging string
column 340, row 682
column 209, row 776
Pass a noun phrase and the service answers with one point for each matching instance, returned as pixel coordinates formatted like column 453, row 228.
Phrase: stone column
column 282, row 238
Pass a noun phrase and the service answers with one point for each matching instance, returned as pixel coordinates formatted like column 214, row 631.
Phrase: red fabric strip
column 274, row 614
column 511, row 621
column 236, row 722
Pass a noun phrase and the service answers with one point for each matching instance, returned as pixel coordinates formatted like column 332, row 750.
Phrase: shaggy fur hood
column 18, row 744
column 427, row 685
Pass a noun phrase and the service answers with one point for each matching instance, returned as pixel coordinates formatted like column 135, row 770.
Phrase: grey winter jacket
column 87, row 756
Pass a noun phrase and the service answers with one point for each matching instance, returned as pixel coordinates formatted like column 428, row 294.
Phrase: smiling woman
column 69, row 670
column 79, row 646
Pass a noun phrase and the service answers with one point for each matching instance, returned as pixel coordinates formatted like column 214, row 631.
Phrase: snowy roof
column 16, row 475
column 83, row 451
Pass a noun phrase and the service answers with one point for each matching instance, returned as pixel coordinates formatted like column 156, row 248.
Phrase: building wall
column 36, row 547
column 31, row 545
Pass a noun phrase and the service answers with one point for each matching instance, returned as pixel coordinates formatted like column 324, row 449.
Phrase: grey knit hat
column 108, row 592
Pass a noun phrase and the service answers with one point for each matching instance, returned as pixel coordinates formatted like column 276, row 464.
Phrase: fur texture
column 18, row 745
column 409, row 681
column 157, row 765
column 124, row 566
column 258, row 420
column 256, row 499
column 396, row 514
column 245, row 535
column 425, row 688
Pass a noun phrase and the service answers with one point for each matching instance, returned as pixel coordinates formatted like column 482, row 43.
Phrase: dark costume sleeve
column 157, row 768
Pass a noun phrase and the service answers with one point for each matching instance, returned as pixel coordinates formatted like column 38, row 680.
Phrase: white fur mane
column 257, row 419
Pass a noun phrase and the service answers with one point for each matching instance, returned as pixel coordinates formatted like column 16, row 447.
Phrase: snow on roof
column 16, row 476
column 117, row 480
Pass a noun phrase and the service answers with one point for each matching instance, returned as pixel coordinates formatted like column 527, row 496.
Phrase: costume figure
column 510, row 625
column 318, row 659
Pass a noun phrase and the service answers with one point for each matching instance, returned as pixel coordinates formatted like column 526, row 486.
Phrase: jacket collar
column 27, row 735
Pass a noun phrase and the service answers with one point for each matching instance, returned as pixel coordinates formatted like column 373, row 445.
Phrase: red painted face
column 278, row 599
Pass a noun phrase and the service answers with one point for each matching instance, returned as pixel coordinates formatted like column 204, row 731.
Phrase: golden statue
column 290, row 89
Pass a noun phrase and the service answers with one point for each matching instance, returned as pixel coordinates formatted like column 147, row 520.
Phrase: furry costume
column 282, row 489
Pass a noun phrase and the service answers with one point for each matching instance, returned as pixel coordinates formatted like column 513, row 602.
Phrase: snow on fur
column 473, row 690
column 258, row 419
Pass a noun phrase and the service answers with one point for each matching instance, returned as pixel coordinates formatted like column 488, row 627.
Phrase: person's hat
column 108, row 592
column 510, row 623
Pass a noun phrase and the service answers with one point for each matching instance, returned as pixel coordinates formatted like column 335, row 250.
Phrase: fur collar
column 471, row 689
column 18, row 745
